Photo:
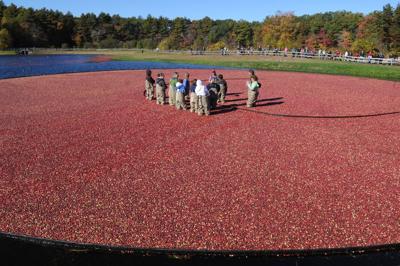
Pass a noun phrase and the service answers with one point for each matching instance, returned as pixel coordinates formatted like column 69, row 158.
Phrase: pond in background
column 23, row 66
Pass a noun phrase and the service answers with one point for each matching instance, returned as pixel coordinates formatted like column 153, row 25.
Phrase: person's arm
column 248, row 83
column 206, row 92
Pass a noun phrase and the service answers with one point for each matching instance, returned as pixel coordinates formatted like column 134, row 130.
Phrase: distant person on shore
column 193, row 97
column 180, row 95
column 369, row 57
column 202, row 98
column 161, row 86
column 172, row 89
column 149, row 85
column 223, row 88
column 253, row 87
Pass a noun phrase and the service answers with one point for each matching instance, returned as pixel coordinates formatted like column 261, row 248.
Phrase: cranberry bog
column 312, row 171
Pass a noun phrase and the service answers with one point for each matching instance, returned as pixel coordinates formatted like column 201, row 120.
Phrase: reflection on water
column 22, row 66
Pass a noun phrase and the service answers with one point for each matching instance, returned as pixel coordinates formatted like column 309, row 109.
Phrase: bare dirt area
column 85, row 158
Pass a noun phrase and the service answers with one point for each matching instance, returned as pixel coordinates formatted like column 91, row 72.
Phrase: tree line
column 377, row 32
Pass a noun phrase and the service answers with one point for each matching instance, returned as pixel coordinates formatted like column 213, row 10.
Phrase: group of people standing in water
column 202, row 98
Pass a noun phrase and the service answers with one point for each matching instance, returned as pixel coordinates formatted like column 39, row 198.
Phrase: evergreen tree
column 5, row 39
column 2, row 7
column 244, row 34
column 387, row 22
column 395, row 30
column 179, row 27
column 83, row 30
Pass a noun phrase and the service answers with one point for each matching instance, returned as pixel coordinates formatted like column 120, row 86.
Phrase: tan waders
column 252, row 98
column 203, row 105
column 160, row 94
column 149, row 90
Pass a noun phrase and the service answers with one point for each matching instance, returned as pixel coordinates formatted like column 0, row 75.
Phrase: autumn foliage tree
column 345, row 41
column 280, row 31
column 323, row 39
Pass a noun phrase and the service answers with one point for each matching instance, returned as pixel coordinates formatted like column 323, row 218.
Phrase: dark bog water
column 23, row 66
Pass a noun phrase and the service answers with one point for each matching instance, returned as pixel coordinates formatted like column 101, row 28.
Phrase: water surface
column 12, row 66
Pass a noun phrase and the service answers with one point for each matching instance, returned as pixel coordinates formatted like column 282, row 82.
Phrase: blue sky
column 255, row 10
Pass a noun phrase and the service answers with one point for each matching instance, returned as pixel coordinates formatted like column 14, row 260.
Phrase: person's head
column 148, row 72
column 254, row 78
column 161, row 75
column 251, row 72
column 199, row 82
column 220, row 76
column 194, row 82
column 214, row 73
column 175, row 75
column 187, row 75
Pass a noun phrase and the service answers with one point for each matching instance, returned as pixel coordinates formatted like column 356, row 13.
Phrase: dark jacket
column 213, row 86
column 161, row 82
column 150, row 80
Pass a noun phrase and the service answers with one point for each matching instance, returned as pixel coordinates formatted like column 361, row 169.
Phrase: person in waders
column 180, row 95
column 223, row 88
column 161, row 86
column 172, row 89
column 149, row 85
column 213, row 76
column 213, row 89
column 252, row 92
column 193, row 97
column 186, row 84
column 202, row 98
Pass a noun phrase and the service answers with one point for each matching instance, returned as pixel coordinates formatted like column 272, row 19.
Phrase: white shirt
column 201, row 90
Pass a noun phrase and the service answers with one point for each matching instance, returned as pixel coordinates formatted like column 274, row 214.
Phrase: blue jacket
column 181, row 88
column 186, row 84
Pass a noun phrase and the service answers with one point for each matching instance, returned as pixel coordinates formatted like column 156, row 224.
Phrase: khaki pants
column 172, row 95
column 160, row 94
column 193, row 102
column 222, row 93
column 180, row 101
column 149, row 90
column 252, row 98
column 203, row 105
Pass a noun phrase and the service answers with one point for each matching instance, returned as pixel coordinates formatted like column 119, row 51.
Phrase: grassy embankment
column 259, row 62
column 7, row 52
